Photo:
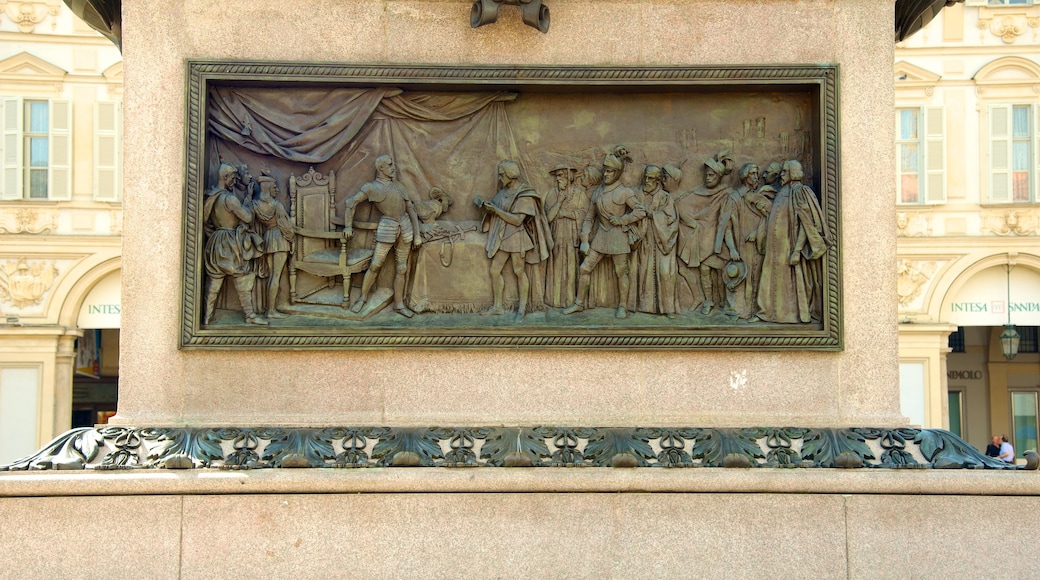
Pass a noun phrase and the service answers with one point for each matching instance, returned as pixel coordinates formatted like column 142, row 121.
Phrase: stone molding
column 121, row 448
column 28, row 221
column 919, row 482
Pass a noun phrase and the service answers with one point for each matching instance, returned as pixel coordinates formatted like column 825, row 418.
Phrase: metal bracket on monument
column 534, row 13
column 113, row 448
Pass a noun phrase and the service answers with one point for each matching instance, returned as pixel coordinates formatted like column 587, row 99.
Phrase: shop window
column 36, row 149
column 920, row 155
column 956, row 340
column 1024, row 417
column 1012, row 163
column 956, row 406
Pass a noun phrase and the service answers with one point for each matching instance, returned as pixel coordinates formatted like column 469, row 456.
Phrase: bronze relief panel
column 377, row 206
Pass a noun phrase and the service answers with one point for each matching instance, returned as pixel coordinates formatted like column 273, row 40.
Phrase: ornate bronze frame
column 820, row 81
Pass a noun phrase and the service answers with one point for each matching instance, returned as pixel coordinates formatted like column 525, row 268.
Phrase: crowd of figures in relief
column 746, row 244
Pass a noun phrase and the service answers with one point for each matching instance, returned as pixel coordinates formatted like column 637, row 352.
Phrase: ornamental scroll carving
column 914, row 276
column 28, row 13
column 1008, row 27
column 1011, row 223
column 408, row 208
column 117, row 448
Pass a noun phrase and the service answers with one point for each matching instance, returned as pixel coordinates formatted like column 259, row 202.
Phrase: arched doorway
column 990, row 393
column 95, row 384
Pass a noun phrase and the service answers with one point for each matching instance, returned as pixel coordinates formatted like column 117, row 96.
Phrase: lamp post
column 1009, row 338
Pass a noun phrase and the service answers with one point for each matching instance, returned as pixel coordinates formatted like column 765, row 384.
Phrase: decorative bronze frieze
column 490, row 206
column 273, row 447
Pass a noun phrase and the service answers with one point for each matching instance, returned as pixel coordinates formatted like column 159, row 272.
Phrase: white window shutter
column 1035, row 120
column 59, row 173
column 1000, row 153
column 934, row 155
column 107, row 178
column 11, row 173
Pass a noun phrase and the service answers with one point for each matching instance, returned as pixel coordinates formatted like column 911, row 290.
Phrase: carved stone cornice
column 117, row 447
column 28, row 13
column 1011, row 223
column 28, row 221
column 23, row 283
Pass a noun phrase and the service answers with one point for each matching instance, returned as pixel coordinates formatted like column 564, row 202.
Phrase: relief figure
column 749, row 210
column 517, row 231
column 705, row 242
column 230, row 246
column 272, row 222
column 565, row 207
column 653, row 262
column 613, row 211
column 789, row 290
column 398, row 229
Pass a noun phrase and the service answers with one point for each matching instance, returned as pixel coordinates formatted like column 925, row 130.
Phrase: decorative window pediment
column 914, row 81
column 1016, row 76
column 114, row 79
column 26, row 70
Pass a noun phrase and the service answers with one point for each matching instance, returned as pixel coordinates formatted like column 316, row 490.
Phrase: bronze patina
column 515, row 206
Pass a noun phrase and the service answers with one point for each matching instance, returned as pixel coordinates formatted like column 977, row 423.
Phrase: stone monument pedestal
column 240, row 407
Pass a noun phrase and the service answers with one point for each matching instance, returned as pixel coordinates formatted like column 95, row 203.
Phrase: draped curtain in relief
column 449, row 140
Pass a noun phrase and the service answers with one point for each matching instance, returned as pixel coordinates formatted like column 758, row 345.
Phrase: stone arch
column 955, row 278
column 1008, row 70
column 69, row 313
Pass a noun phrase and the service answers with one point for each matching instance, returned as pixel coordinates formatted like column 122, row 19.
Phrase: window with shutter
column 908, row 155
column 11, row 148
column 107, row 170
column 60, row 169
column 35, row 149
column 1013, row 159
column 935, row 156
column 1000, row 153
column 920, row 155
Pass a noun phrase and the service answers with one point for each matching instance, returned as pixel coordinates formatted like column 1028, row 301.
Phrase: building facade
column 60, row 224
column 967, row 139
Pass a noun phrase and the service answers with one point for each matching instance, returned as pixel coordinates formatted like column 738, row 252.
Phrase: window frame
column 961, row 397
column 994, row 142
column 15, row 182
column 1036, row 418
column 931, row 156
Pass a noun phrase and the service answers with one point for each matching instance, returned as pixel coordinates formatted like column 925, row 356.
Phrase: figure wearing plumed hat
column 706, row 244
column 606, row 231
